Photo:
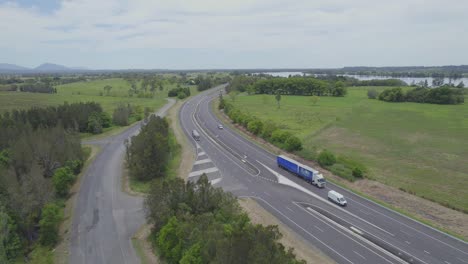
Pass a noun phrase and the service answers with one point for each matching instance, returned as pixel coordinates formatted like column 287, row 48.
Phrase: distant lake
column 408, row 80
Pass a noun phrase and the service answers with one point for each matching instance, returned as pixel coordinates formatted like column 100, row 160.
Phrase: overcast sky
column 117, row 34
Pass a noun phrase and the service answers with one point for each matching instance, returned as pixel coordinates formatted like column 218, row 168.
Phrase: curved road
column 362, row 232
column 105, row 218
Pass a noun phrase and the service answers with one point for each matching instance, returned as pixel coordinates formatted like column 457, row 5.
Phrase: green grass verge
column 419, row 148
column 137, row 245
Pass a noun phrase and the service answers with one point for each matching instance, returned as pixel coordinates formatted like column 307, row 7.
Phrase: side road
column 105, row 218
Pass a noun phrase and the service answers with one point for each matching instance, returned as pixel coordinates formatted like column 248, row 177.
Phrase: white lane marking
column 303, row 229
column 427, row 252
column 248, row 142
column 391, row 218
column 350, row 234
column 200, row 172
column 406, row 233
column 215, row 181
column 196, row 144
column 407, row 242
column 447, row 262
column 318, row 228
column 201, row 153
column 359, row 254
column 289, row 209
column 285, row 181
column 201, row 161
column 462, row 260
column 267, row 194
column 364, row 212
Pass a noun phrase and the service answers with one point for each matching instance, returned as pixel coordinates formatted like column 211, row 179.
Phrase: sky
column 210, row 34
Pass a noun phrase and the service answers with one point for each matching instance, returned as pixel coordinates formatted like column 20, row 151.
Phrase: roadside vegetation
column 197, row 223
column 417, row 148
column 40, row 157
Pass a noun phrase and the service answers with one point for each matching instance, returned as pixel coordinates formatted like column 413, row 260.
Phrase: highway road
column 362, row 232
column 105, row 218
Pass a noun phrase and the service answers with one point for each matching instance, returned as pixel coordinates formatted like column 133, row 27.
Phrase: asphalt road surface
column 105, row 218
column 362, row 232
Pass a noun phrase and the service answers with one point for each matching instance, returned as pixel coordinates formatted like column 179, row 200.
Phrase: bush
column 255, row 126
column 358, row 173
column 268, row 128
column 293, row 143
column 372, row 94
column 62, row 180
column 280, row 136
column 181, row 95
column 74, row 165
column 49, row 224
column 326, row 158
column 392, row 95
column 95, row 123
column 121, row 115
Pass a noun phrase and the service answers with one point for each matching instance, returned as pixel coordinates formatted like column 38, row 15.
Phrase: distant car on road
column 220, row 126
column 337, row 198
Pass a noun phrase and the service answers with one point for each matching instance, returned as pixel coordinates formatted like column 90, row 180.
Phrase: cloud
column 316, row 33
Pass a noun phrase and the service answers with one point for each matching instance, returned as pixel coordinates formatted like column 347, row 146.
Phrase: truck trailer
column 305, row 172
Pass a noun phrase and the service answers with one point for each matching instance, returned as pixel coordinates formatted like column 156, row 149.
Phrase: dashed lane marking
column 201, row 161
column 200, row 172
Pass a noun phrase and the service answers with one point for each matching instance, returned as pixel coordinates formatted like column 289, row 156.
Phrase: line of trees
column 197, row 223
column 82, row 117
column 441, row 95
column 268, row 130
column 149, row 152
column 38, row 165
column 37, row 88
column 287, row 86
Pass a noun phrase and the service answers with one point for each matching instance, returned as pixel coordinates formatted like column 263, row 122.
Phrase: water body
column 407, row 80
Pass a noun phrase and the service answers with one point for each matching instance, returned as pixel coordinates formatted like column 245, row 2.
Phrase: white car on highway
column 337, row 198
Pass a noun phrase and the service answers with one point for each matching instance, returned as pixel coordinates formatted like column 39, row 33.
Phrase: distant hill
column 50, row 67
column 12, row 67
column 43, row 68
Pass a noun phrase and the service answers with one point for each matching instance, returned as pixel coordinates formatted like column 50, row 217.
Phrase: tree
column 121, row 115
column 461, row 85
column 49, row 224
column 278, row 97
column 63, row 179
column 107, row 88
column 372, row 94
column 326, row 158
column 233, row 95
column 95, row 123
column 357, row 172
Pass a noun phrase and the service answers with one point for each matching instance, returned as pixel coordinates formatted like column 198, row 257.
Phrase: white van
column 337, row 198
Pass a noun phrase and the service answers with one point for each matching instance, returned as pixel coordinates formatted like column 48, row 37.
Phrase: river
column 408, row 80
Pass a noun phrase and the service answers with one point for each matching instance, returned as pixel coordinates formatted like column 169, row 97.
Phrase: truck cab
column 319, row 180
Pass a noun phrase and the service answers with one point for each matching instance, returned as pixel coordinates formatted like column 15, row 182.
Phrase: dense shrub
column 49, row 224
column 372, row 94
column 280, row 136
column 392, row 95
column 293, row 143
column 121, row 115
column 255, row 126
column 357, row 172
column 326, row 158
column 440, row 95
column 62, row 180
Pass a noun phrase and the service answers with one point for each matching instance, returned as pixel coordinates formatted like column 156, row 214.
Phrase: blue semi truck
column 307, row 173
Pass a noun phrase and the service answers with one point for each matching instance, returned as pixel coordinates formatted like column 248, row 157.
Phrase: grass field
column 420, row 148
column 84, row 92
